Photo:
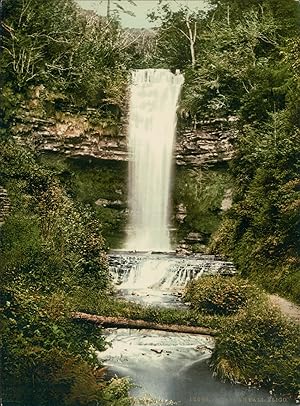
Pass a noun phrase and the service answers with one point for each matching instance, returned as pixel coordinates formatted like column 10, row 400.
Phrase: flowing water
column 156, row 279
column 152, row 123
column 170, row 368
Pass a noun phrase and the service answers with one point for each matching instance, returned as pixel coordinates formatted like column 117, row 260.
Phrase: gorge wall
column 76, row 135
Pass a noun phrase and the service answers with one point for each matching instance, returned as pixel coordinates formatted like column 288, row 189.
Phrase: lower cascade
column 152, row 123
column 163, row 272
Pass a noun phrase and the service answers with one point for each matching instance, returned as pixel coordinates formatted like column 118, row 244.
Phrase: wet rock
column 181, row 268
column 74, row 135
column 194, row 238
column 4, row 204
column 181, row 213
column 112, row 204
column 182, row 251
column 211, row 142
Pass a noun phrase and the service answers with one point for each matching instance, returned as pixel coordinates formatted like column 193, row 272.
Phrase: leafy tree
column 286, row 13
column 177, row 37
column 69, row 52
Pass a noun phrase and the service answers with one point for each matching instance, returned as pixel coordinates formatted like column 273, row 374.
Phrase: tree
column 177, row 36
column 55, row 44
column 286, row 13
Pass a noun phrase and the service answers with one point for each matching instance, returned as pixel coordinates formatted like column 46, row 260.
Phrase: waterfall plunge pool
column 172, row 369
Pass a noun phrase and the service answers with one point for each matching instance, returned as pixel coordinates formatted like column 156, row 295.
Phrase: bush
column 47, row 359
column 258, row 346
column 218, row 294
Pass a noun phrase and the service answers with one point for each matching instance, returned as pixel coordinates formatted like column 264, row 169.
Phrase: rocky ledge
column 210, row 143
column 75, row 136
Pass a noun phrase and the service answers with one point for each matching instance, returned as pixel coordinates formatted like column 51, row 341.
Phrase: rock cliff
column 209, row 143
column 78, row 136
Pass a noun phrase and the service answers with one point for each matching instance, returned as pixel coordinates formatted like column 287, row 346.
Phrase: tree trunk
column 140, row 324
column 192, row 38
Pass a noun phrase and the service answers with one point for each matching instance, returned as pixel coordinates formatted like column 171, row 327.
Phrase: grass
column 104, row 305
column 259, row 347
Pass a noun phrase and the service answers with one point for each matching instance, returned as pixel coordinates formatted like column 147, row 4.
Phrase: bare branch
column 24, row 9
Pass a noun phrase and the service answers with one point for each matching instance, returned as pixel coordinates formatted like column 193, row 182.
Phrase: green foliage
column 259, row 347
column 47, row 358
column 48, row 239
column 72, row 56
column 248, row 66
column 201, row 192
column 50, row 246
column 287, row 13
column 261, row 231
column 219, row 294
column 90, row 180
column 231, row 57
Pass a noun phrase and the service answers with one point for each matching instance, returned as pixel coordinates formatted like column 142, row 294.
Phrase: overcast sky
column 141, row 10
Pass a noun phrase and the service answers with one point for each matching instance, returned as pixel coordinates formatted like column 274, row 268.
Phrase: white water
column 161, row 272
column 152, row 125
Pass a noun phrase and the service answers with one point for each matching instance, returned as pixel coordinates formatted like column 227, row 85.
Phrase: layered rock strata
column 4, row 204
column 75, row 136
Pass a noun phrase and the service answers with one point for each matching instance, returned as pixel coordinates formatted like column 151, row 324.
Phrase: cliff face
column 210, row 143
column 77, row 136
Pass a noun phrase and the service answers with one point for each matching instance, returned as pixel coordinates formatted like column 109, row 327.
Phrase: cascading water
column 152, row 125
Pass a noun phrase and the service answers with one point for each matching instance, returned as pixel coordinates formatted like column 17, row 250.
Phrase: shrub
column 47, row 359
column 218, row 294
column 258, row 346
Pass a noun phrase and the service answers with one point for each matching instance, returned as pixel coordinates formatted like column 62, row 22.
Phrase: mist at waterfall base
column 154, row 95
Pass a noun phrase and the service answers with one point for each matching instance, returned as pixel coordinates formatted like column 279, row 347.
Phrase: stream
column 172, row 369
column 169, row 368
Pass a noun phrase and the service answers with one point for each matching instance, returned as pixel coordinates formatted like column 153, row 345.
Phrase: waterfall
column 152, row 126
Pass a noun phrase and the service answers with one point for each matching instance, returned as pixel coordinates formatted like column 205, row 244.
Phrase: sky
column 141, row 10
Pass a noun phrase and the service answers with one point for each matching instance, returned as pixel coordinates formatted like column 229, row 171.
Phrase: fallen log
column 123, row 322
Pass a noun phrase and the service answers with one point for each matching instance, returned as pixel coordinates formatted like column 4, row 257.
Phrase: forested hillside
column 241, row 60
column 53, row 55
